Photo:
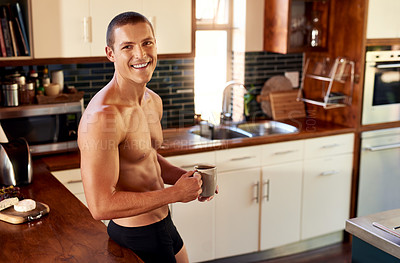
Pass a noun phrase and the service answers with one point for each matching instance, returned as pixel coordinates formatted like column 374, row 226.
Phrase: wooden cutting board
column 274, row 84
column 284, row 105
column 9, row 215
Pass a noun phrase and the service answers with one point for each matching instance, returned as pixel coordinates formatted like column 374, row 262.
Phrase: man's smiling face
column 134, row 52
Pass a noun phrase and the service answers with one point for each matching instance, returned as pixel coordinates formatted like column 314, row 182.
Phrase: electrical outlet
column 293, row 76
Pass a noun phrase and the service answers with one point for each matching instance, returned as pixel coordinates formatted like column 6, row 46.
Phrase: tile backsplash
column 173, row 80
column 261, row 66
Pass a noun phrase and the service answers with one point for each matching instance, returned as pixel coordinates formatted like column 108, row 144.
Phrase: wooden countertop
column 180, row 141
column 362, row 228
column 67, row 233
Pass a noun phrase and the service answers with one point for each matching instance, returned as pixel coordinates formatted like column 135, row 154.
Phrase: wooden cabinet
column 296, row 25
column 326, row 184
column 281, row 193
column 77, row 28
column 383, row 19
column 195, row 221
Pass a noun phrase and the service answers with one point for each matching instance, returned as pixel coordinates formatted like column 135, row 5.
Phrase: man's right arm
column 98, row 140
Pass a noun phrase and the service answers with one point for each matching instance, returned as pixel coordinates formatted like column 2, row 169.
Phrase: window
column 213, row 47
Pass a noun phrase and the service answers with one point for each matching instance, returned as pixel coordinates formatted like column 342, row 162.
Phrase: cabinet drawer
column 281, row 152
column 71, row 179
column 188, row 161
column 68, row 176
column 238, row 158
column 329, row 145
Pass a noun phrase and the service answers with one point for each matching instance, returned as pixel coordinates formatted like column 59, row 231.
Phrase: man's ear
column 110, row 54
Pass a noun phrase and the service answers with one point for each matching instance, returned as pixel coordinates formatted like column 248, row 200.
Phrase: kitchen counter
column 67, row 233
column 372, row 244
column 179, row 141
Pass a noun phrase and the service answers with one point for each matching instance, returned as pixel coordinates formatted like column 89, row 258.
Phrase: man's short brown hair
column 124, row 19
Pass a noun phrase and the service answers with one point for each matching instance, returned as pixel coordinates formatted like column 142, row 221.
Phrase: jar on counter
column 10, row 94
column 27, row 93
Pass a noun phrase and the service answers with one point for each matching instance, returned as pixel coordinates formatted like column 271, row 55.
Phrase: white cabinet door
column 172, row 22
column 281, row 204
column 326, row 194
column 195, row 222
column 383, row 19
column 102, row 12
column 237, row 212
column 58, row 28
column 77, row 28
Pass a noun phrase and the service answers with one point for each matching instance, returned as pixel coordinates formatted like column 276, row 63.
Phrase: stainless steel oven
column 48, row 128
column 381, row 101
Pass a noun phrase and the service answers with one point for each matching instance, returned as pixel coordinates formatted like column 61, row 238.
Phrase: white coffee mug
column 209, row 177
column 58, row 77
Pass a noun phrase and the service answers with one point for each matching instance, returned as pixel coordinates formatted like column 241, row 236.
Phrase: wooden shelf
column 330, row 71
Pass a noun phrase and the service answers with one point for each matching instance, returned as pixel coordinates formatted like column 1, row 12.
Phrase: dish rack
column 329, row 82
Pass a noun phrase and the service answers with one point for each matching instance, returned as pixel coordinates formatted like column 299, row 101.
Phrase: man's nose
column 140, row 52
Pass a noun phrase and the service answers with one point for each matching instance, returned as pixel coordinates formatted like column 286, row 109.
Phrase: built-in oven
column 48, row 128
column 381, row 102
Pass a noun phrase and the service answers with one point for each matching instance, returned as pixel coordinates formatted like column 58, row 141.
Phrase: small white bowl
column 52, row 89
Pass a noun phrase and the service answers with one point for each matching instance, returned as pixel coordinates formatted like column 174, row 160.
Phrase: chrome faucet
column 233, row 103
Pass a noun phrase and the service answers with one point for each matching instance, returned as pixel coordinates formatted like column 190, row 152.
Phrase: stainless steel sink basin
column 267, row 128
column 222, row 133
column 245, row 130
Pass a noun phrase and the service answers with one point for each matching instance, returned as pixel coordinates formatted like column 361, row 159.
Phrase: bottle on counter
column 44, row 81
column 27, row 94
column 34, row 78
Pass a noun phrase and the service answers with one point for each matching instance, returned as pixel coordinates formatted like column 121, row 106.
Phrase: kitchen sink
column 267, row 128
column 245, row 130
column 222, row 133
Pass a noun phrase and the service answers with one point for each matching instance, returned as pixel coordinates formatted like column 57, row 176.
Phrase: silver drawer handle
column 326, row 173
column 330, row 145
column 74, row 181
column 266, row 190
column 383, row 147
column 242, row 158
column 285, row 152
column 256, row 192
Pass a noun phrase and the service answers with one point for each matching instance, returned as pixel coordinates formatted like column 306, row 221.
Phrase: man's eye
column 148, row 43
column 127, row 47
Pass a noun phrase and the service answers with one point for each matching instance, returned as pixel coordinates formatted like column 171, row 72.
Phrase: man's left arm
column 170, row 173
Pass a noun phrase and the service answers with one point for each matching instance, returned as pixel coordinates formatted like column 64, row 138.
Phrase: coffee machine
column 15, row 162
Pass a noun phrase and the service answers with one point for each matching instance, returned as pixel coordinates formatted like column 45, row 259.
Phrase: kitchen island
column 68, row 233
column 373, row 244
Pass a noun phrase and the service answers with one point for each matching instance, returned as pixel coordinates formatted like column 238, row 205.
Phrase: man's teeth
column 140, row 65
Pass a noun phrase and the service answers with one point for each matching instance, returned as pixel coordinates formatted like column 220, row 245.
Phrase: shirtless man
column 119, row 133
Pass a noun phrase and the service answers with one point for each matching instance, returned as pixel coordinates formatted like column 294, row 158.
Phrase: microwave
column 48, row 128
column 381, row 100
